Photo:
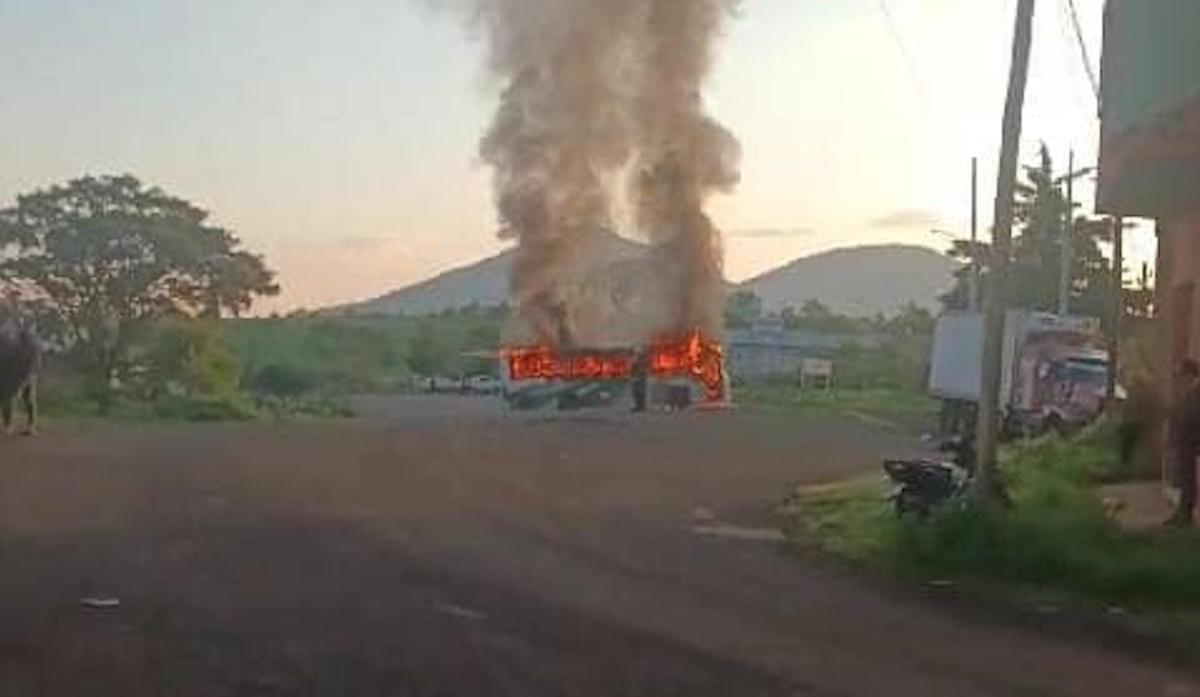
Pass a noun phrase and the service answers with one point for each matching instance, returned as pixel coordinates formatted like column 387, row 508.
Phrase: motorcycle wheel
column 909, row 503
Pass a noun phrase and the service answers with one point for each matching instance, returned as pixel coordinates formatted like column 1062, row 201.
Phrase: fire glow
column 693, row 356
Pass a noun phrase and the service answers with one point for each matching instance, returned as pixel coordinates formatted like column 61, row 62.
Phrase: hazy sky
column 339, row 136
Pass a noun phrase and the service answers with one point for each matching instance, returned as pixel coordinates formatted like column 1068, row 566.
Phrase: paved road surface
column 439, row 547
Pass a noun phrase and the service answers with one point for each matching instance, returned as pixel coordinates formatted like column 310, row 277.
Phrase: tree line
column 99, row 264
column 744, row 308
column 1041, row 214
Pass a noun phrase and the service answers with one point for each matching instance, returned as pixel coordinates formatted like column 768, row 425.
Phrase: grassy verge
column 906, row 410
column 230, row 408
column 1057, row 545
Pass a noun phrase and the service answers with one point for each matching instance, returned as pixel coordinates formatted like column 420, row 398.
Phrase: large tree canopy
column 99, row 256
column 1036, row 263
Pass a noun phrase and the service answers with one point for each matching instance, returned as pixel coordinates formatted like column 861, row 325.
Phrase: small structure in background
column 768, row 349
column 816, row 373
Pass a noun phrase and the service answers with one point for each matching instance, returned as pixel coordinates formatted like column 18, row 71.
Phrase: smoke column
column 683, row 154
column 591, row 87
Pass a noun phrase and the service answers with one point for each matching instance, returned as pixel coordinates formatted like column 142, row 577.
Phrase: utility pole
column 1118, row 307
column 974, row 302
column 986, row 487
column 1068, row 243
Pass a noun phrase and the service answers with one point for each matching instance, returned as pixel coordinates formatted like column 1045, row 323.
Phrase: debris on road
column 100, row 603
column 740, row 533
column 460, row 612
column 942, row 583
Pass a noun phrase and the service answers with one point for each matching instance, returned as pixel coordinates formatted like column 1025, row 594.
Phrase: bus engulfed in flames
column 694, row 357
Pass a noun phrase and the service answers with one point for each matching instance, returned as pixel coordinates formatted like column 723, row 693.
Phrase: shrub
column 1056, row 535
column 282, row 381
column 189, row 357
column 203, row 408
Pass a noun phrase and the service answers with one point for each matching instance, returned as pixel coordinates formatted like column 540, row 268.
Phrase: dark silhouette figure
column 1185, row 436
column 20, row 362
column 640, row 379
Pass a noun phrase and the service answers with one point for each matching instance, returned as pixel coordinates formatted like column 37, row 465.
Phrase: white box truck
column 1054, row 374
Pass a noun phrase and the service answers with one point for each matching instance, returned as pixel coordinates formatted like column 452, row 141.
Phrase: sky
column 339, row 137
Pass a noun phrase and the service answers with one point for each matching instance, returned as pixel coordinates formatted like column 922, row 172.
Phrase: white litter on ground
column 462, row 613
column 100, row 603
column 735, row 532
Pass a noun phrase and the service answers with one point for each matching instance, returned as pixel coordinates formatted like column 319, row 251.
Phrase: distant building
column 768, row 349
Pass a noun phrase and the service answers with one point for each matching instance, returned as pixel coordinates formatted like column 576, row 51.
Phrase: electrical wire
column 894, row 30
column 909, row 62
column 1083, row 49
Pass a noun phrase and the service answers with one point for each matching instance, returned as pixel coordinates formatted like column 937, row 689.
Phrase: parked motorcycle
column 921, row 485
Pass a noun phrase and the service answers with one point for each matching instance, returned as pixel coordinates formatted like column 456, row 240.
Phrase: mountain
column 858, row 281
column 484, row 283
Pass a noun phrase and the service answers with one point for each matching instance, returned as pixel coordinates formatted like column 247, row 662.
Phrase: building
column 1150, row 159
column 768, row 349
column 1150, row 149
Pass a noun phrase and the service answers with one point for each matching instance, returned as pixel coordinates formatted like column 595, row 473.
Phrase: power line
column 1083, row 49
column 894, row 29
column 1069, row 48
column 909, row 62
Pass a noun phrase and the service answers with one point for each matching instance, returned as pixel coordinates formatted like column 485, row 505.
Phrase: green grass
column 1056, row 538
column 195, row 409
column 904, row 409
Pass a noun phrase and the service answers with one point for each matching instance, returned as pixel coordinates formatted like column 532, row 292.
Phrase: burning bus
column 681, row 371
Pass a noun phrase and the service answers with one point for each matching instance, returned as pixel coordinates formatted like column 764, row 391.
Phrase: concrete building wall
column 1179, row 288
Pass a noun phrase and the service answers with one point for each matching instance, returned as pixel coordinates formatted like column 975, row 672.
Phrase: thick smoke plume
column 602, row 103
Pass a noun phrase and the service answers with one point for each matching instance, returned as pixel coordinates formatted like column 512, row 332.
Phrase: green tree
column 191, row 356
column 912, row 321
column 742, row 308
column 426, row 350
column 1139, row 300
column 816, row 316
column 1036, row 263
column 959, row 295
column 281, row 383
column 483, row 338
column 103, row 256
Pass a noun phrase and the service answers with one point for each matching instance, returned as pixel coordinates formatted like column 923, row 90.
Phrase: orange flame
column 693, row 356
column 542, row 362
column 696, row 357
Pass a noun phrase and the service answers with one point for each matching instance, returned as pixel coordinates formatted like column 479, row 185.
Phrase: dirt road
column 440, row 547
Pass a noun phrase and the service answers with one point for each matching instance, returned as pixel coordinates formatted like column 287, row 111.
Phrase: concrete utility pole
column 1068, row 243
column 1118, row 306
column 974, row 302
column 987, row 481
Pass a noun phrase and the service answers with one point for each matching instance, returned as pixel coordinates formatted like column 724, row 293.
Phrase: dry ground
column 442, row 547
